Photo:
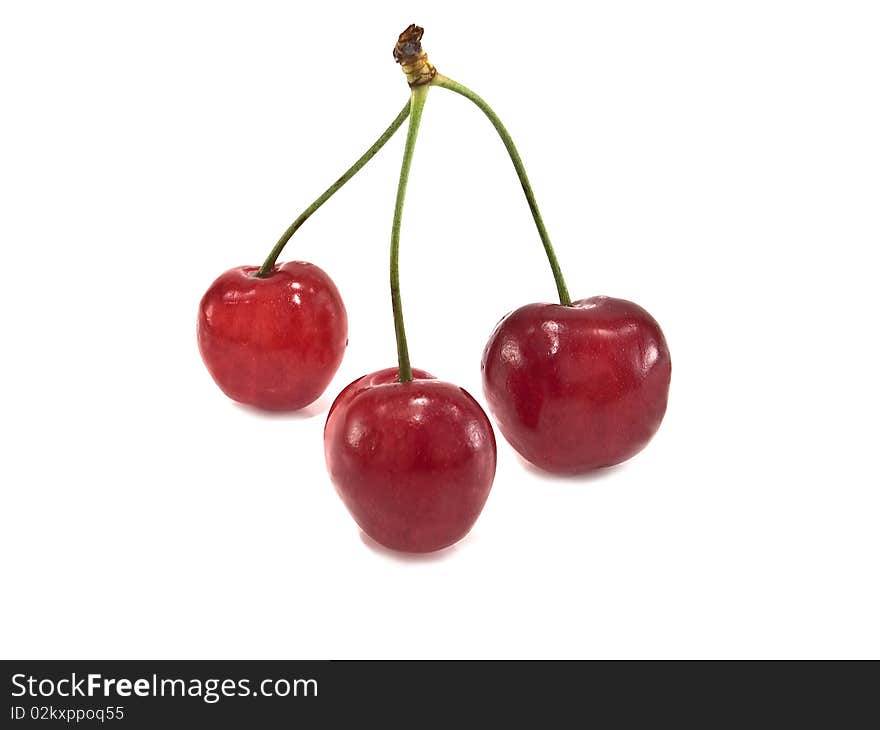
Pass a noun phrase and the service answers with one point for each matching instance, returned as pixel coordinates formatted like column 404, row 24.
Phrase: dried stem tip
column 412, row 59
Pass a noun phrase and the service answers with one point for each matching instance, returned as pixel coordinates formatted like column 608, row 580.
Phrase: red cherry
column 273, row 342
column 413, row 461
column 580, row 387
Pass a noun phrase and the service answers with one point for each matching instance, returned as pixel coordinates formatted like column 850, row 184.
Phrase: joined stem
column 447, row 83
column 418, row 97
column 269, row 263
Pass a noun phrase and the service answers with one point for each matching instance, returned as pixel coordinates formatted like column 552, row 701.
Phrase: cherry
column 412, row 461
column 577, row 387
column 572, row 386
column 273, row 336
column 273, row 342
column 413, row 458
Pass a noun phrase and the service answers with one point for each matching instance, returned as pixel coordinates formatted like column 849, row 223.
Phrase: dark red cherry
column 413, row 462
column 274, row 342
column 579, row 387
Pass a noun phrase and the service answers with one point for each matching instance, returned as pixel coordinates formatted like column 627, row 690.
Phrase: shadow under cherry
column 313, row 410
column 590, row 477
column 401, row 557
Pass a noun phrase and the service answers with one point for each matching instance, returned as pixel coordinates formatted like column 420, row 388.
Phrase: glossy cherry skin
column 580, row 387
column 413, row 462
column 276, row 342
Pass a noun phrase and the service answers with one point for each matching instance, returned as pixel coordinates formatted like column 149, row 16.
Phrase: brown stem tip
column 412, row 58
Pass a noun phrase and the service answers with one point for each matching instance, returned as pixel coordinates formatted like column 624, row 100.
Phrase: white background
column 719, row 163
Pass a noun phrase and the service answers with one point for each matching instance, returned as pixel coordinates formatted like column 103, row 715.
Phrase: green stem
column 447, row 83
column 269, row 263
column 417, row 103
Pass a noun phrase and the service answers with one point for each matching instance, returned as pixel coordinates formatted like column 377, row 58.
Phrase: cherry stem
column 269, row 263
column 417, row 103
column 447, row 83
